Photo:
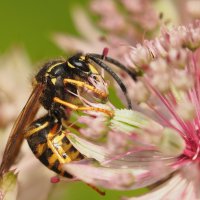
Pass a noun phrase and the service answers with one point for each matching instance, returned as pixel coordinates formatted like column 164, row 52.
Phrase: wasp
column 54, row 87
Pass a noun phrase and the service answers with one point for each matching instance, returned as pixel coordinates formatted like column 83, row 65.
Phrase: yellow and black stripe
column 51, row 145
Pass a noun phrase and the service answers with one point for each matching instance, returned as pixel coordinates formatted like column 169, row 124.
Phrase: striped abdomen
column 51, row 146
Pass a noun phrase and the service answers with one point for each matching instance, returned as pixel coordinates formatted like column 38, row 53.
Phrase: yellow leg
column 82, row 108
column 53, row 132
column 55, row 151
column 90, row 87
column 35, row 130
column 56, row 148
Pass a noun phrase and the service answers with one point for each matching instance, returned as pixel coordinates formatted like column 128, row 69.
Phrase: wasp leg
column 55, row 147
column 96, row 189
column 82, row 84
column 78, row 156
column 35, row 130
column 74, row 154
column 82, row 108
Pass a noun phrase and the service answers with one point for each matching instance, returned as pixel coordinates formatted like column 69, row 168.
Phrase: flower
column 122, row 24
column 133, row 16
column 123, row 27
column 157, row 144
column 19, row 183
column 12, row 77
column 128, row 156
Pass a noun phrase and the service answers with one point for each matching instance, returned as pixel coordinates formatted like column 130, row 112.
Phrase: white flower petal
column 129, row 120
column 147, row 167
column 101, row 176
column 177, row 187
column 89, row 149
column 135, row 158
column 116, row 178
column 138, row 157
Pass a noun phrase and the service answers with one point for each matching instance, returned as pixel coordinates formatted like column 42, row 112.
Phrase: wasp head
column 85, row 71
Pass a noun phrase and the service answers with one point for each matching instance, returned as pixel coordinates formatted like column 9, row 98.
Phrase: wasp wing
column 16, row 137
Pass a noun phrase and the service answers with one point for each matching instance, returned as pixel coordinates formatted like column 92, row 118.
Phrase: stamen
column 166, row 121
column 105, row 52
column 168, row 106
column 55, row 179
column 197, row 152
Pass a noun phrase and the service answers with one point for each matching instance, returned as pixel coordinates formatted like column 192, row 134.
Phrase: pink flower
column 123, row 27
column 156, row 145
column 124, row 23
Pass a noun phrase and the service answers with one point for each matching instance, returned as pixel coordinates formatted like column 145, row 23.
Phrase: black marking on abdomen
column 45, row 155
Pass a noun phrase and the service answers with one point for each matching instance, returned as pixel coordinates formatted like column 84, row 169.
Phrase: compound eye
column 79, row 64
column 82, row 66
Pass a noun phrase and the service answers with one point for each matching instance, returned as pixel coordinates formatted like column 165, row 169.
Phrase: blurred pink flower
column 124, row 23
column 15, row 87
column 122, row 28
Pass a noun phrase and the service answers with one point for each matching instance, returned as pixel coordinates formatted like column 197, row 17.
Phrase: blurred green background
column 30, row 24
